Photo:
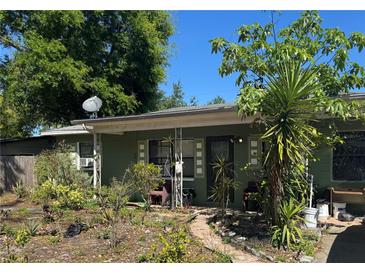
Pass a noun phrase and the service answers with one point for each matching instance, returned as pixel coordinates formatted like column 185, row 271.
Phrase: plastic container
column 337, row 208
column 323, row 210
column 310, row 217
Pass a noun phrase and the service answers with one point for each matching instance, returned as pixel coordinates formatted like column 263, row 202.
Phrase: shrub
column 20, row 190
column 72, row 199
column 173, row 250
column 144, row 178
column 22, row 237
column 65, row 196
column 44, row 193
column 288, row 231
column 58, row 166
column 116, row 196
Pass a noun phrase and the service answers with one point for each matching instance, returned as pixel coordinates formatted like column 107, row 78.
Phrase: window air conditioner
column 86, row 162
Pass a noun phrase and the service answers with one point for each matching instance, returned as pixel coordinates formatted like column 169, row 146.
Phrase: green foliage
column 145, row 178
column 116, row 196
column 32, row 227
column 54, row 239
column 67, row 56
column 44, row 193
column 173, row 250
column 20, row 190
column 57, row 166
column 304, row 246
column 63, row 196
column 22, row 237
column 223, row 182
column 287, row 231
column 176, row 99
column 217, row 100
column 260, row 48
column 289, row 106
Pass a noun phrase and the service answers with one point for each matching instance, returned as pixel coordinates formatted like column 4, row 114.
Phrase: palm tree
column 288, row 105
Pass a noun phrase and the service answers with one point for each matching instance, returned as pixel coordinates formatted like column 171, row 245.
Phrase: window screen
column 86, row 150
column 349, row 158
column 159, row 152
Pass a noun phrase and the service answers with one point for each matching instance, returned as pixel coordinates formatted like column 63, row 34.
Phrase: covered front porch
column 184, row 145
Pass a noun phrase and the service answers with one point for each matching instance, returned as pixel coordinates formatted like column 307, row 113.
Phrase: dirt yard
column 133, row 237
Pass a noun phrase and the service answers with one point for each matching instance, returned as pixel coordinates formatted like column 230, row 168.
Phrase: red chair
column 162, row 194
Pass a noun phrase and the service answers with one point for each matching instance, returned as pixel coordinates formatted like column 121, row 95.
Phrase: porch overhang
column 166, row 120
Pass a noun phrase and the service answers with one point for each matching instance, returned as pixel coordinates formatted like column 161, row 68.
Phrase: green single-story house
column 205, row 132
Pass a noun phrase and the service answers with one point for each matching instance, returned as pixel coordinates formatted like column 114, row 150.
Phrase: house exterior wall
column 120, row 151
column 30, row 146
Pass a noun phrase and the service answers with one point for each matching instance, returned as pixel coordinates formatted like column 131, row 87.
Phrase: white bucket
column 337, row 208
column 310, row 217
column 323, row 211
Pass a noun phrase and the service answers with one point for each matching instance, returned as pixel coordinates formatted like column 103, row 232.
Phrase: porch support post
column 178, row 176
column 97, row 160
column 95, row 168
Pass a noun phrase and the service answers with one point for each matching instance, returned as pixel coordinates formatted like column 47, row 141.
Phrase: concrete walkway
column 343, row 245
column 200, row 229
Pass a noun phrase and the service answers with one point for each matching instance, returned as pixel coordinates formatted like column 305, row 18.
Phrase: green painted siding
column 120, row 151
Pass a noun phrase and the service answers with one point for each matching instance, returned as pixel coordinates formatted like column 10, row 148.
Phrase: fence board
column 16, row 168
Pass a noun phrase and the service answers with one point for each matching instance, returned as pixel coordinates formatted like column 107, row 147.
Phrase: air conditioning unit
column 86, row 162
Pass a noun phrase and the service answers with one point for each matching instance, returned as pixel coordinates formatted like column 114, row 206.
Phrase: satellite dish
column 93, row 105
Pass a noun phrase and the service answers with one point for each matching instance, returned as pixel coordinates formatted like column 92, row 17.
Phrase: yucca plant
column 223, row 182
column 288, row 102
column 288, row 230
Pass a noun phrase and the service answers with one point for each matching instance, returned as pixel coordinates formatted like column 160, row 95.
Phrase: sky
column 193, row 64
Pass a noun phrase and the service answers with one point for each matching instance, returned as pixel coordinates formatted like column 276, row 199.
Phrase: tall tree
column 176, row 99
column 260, row 47
column 217, row 100
column 289, row 77
column 57, row 59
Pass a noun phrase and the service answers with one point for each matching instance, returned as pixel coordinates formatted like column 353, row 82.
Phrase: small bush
column 306, row 247
column 64, row 196
column 116, row 196
column 57, row 166
column 22, row 237
column 44, row 193
column 20, row 190
column 7, row 230
column 54, row 239
column 173, row 250
column 145, row 178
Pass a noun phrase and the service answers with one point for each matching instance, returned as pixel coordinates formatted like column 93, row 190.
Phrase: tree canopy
column 217, row 100
column 260, row 47
column 176, row 99
column 53, row 60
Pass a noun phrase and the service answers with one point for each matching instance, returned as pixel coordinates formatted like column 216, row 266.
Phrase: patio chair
column 162, row 194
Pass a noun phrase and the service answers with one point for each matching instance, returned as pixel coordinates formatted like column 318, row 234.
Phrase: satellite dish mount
column 92, row 105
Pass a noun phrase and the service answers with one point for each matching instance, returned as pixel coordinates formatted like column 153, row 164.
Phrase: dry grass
column 134, row 235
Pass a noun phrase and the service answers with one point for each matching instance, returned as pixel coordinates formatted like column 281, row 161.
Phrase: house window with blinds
column 348, row 163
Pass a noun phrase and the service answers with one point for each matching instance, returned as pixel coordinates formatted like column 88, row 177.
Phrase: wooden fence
column 16, row 168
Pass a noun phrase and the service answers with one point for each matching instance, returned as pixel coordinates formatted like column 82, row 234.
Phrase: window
column 159, row 153
column 86, row 150
column 349, row 158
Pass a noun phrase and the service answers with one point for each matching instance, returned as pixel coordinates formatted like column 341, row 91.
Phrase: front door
column 220, row 146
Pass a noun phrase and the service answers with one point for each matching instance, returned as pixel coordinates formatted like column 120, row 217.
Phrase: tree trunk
column 276, row 193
